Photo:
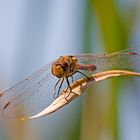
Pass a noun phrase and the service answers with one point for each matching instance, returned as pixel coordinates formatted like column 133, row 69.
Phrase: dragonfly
column 36, row 92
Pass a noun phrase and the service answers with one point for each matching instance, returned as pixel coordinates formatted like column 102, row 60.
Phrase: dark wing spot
column 1, row 94
column 6, row 105
column 133, row 53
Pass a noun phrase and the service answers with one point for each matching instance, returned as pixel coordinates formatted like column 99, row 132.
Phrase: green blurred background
column 33, row 32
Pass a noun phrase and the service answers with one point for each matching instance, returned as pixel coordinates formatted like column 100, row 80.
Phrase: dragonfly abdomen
column 87, row 67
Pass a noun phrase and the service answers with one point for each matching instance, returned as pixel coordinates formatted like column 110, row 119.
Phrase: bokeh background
column 34, row 32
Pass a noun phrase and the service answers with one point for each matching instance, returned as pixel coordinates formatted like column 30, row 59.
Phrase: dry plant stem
column 77, row 89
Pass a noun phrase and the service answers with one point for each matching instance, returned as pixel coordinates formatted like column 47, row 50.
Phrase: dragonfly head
column 64, row 66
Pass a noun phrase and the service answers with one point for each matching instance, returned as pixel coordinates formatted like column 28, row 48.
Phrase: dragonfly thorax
column 65, row 66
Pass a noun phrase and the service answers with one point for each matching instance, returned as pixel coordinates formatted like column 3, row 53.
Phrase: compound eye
column 65, row 66
column 57, row 70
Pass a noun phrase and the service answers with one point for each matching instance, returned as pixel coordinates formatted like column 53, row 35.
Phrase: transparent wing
column 127, row 59
column 29, row 95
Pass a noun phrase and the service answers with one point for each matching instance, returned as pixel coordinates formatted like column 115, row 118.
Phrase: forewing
column 30, row 95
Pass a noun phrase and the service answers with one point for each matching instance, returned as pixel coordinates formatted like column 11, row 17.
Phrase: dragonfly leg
column 68, row 83
column 55, row 95
column 60, row 87
column 72, row 79
column 55, row 87
column 68, row 88
column 82, row 74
